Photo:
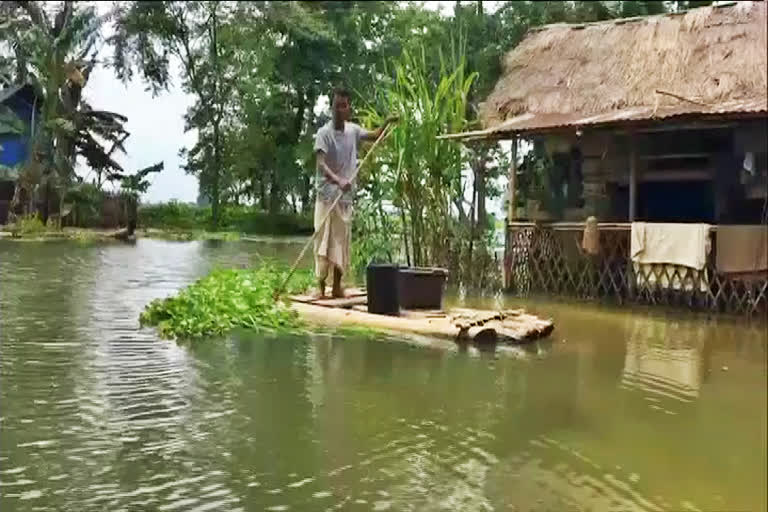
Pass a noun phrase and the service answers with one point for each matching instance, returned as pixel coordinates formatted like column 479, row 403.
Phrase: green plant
column 86, row 200
column 228, row 299
column 372, row 238
column 242, row 219
column 30, row 224
column 420, row 173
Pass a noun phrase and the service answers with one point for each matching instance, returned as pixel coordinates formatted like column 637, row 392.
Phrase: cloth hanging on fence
column 686, row 245
column 742, row 248
column 590, row 241
column 670, row 255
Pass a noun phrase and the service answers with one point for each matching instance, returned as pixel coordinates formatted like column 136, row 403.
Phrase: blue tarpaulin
column 17, row 104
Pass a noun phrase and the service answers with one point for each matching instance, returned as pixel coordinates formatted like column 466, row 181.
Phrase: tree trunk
column 262, row 195
column 481, row 187
column 216, row 121
column 405, row 237
column 306, row 193
column 46, row 202
column 472, row 223
column 274, row 192
column 133, row 214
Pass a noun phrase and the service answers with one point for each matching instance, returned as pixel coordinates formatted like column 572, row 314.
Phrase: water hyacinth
column 227, row 299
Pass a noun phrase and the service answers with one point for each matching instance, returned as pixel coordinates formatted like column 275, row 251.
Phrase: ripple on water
column 104, row 416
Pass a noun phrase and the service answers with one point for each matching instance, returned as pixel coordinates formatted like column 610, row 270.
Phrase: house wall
column 683, row 175
column 14, row 152
column 15, row 146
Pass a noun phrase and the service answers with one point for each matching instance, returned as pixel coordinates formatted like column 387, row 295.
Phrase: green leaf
column 10, row 123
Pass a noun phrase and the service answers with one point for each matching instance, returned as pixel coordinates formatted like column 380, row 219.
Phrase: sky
column 156, row 124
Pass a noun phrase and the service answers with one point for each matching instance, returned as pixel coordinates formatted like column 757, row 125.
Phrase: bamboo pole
column 632, row 178
column 280, row 290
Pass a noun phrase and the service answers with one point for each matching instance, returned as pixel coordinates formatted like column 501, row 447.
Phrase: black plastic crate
column 422, row 287
column 382, row 283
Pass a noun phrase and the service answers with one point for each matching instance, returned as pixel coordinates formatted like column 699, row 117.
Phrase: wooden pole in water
column 280, row 290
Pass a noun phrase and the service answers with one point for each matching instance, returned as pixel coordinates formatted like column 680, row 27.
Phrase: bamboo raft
column 460, row 325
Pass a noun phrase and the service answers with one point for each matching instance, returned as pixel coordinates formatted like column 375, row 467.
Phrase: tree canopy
column 258, row 73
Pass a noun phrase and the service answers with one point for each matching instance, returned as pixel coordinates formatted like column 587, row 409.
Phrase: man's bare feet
column 320, row 292
column 337, row 292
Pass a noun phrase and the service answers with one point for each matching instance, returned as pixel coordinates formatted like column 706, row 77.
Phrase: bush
column 173, row 215
column 86, row 200
column 244, row 219
column 30, row 224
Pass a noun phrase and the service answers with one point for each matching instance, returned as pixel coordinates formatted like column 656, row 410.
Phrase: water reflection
column 617, row 411
column 664, row 361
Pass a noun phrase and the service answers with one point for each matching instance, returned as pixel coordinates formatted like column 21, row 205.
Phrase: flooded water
column 619, row 411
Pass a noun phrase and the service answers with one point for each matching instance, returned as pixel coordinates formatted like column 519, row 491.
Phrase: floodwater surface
column 618, row 411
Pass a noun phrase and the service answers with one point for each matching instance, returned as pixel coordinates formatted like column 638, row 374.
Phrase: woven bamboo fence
column 547, row 259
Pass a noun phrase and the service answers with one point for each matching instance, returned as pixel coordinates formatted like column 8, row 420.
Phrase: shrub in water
column 225, row 300
column 30, row 224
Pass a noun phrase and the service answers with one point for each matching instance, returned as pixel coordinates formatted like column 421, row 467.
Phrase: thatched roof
column 711, row 60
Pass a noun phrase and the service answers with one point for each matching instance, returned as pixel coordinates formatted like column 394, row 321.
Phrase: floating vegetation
column 228, row 299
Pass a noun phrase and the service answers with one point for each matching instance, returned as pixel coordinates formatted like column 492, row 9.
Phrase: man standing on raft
column 336, row 146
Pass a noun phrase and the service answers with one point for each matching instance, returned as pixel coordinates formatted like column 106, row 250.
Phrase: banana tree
column 133, row 185
column 54, row 48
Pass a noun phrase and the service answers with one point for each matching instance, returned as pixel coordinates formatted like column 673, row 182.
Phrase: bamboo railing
column 547, row 259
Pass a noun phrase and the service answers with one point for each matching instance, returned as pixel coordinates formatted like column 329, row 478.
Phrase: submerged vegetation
column 227, row 300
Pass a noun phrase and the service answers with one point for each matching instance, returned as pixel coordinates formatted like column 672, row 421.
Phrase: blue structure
column 15, row 130
column 20, row 100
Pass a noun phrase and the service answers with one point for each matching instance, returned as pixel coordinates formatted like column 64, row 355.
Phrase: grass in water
column 227, row 300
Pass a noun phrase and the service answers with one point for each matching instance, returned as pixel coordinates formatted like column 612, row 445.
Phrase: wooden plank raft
column 460, row 325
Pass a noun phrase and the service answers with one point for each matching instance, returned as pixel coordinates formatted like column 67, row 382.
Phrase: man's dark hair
column 341, row 92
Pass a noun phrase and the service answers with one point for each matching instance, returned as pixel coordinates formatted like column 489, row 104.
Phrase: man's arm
column 375, row 134
column 322, row 166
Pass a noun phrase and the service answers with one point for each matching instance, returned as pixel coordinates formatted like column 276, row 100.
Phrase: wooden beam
column 666, row 175
column 671, row 127
column 512, row 182
column 676, row 156
column 675, row 175
column 632, row 177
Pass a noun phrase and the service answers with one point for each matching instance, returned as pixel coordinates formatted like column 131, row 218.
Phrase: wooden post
column 511, row 212
column 632, row 178
column 632, row 206
column 512, row 185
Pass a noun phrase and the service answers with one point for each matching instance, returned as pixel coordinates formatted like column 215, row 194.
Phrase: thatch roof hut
column 708, row 61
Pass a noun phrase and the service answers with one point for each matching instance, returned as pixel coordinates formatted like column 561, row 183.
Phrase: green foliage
column 373, row 237
column 135, row 184
column 182, row 216
column 30, row 224
column 10, row 122
column 423, row 174
column 173, row 215
column 54, row 47
column 226, row 300
column 86, row 200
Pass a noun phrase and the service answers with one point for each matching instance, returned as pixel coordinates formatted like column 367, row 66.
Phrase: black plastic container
column 382, row 284
column 422, row 288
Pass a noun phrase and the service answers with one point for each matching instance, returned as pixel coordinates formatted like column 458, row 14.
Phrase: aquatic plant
column 227, row 299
